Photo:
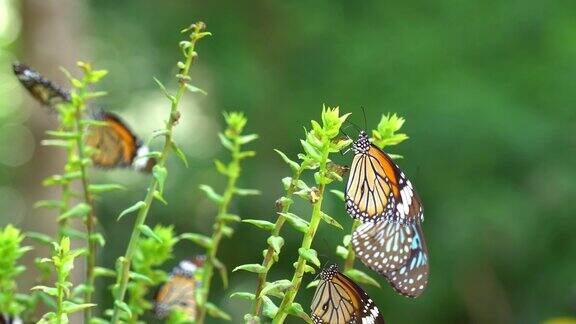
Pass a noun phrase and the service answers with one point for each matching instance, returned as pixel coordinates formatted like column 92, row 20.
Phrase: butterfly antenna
column 365, row 119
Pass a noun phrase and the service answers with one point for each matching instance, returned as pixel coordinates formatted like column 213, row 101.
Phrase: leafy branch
column 159, row 172
column 232, row 139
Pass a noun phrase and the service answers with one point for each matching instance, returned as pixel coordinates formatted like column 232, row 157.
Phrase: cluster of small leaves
column 155, row 189
column 152, row 253
column 385, row 135
column 321, row 141
column 74, row 125
column 10, row 252
column 233, row 140
column 66, row 299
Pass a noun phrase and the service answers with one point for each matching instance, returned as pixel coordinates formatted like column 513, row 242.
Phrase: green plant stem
column 349, row 262
column 91, row 217
column 60, row 284
column 315, row 219
column 217, row 234
column 143, row 212
column 268, row 259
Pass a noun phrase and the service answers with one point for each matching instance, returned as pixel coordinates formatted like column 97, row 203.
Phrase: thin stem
column 217, row 234
column 123, row 276
column 61, row 281
column 349, row 262
column 91, row 217
column 268, row 259
column 290, row 295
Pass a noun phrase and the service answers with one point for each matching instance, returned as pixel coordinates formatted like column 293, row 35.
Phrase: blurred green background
column 487, row 88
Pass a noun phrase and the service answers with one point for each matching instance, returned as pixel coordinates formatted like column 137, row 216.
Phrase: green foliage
column 156, row 186
column 63, row 262
column 152, row 253
column 232, row 139
column 10, row 252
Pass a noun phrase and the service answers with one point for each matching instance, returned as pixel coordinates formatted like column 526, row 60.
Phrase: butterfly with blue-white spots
column 396, row 251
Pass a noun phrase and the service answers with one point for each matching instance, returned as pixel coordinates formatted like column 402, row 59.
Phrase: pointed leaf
column 243, row 295
column 266, row 225
column 248, row 138
column 361, row 277
column 276, row 242
column 124, row 307
column 98, row 188
column 338, row 194
column 211, row 194
column 70, row 307
column 313, row 283
column 47, row 290
column 144, row 229
column 136, row 207
column 216, row 312
column 225, row 142
column 296, row 222
column 247, row 192
column 309, row 255
column 330, row 220
column 198, row 239
column 253, row 267
column 223, row 272
column 293, row 165
column 195, row 89
column 79, row 210
column 269, row 309
column 180, row 154
column 297, row 310
column 342, row 252
column 160, row 173
column 276, row 286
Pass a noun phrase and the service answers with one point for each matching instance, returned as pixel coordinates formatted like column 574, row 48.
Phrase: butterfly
column 339, row 300
column 396, row 251
column 7, row 319
column 180, row 289
column 377, row 189
column 116, row 143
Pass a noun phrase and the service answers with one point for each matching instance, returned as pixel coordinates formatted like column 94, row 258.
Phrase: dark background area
column 487, row 89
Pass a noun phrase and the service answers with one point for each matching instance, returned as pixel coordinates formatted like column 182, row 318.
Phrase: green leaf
column 47, row 290
column 42, row 238
column 180, row 154
column 243, row 295
column 58, row 143
column 225, row 142
column 160, row 173
column 98, row 188
column 211, row 194
column 293, row 165
column 195, row 89
column 311, row 151
column 164, row 90
column 230, row 218
column 276, row 242
column 216, row 312
column 251, row 319
column 269, row 309
column 253, row 267
column 275, row 287
column 247, row 192
column 342, row 252
column 221, row 167
column 297, row 310
column 136, row 207
column 361, row 277
column 296, row 222
column 227, row 231
column 158, row 196
column 52, row 204
column 149, row 233
column 79, row 210
column 223, row 272
column 140, row 277
column 313, row 283
column 70, row 307
column 309, row 255
column 63, row 135
column 198, row 239
column 330, row 220
column 307, row 268
column 104, row 272
column 346, row 240
column 124, row 307
column 338, row 194
column 248, row 138
column 265, row 225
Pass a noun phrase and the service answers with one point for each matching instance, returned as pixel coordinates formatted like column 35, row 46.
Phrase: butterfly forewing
column 339, row 300
column 46, row 92
column 377, row 189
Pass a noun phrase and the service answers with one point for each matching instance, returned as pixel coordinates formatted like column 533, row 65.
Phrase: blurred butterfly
column 7, row 319
column 377, row 189
column 339, row 300
column 396, row 251
column 180, row 289
column 116, row 144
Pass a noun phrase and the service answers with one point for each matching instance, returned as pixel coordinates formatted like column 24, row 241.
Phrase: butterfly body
column 338, row 300
column 377, row 189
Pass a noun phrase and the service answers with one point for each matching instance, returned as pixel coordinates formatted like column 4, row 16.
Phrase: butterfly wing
column 396, row 251
column 378, row 190
column 339, row 300
column 40, row 88
column 178, row 292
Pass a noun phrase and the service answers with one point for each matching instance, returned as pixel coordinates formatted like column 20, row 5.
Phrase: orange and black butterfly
column 377, row 189
column 116, row 144
column 180, row 289
column 339, row 300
